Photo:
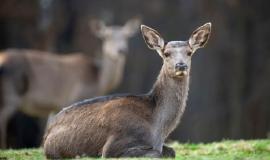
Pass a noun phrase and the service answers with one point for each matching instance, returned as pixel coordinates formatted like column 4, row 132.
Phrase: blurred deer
column 130, row 125
column 38, row 83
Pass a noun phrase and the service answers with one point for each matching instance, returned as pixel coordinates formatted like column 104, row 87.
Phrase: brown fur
column 127, row 125
column 107, row 116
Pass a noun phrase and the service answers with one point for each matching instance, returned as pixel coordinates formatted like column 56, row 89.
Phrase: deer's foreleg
column 168, row 152
column 5, row 114
column 128, row 147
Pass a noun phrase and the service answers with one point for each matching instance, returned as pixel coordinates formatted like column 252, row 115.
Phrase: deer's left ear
column 98, row 28
column 200, row 36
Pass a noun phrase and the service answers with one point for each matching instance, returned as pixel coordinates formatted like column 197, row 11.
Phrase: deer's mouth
column 180, row 73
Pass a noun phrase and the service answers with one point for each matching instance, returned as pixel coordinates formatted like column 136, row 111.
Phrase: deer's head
column 115, row 38
column 177, row 55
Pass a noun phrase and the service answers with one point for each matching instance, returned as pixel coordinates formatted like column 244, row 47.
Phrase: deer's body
column 137, row 119
column 128, row 125
column 39, row 83
column 39, row 79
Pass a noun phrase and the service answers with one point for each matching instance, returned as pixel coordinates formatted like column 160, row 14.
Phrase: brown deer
column 130, row 125
column 38, row 83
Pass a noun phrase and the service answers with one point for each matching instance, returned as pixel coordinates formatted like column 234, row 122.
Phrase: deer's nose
column 181, row 67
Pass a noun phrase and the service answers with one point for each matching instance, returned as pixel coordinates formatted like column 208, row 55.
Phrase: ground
column 225, row 150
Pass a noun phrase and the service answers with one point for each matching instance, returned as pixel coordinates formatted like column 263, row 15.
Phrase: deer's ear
column 131, row 27
column 200, row 36
column 97, row 27
column 152, row 38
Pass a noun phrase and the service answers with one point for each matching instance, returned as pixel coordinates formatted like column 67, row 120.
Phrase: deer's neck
column 111, row 73
column 170, row 96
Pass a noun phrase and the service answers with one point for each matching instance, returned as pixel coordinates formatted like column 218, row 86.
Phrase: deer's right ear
column 97, row 27
column 200, row 36
column 152, row 38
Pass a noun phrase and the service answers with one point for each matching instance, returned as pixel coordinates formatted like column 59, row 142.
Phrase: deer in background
column 130, row 125
column 38, row 83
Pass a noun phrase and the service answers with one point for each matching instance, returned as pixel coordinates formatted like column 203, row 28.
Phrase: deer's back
column 66, row 77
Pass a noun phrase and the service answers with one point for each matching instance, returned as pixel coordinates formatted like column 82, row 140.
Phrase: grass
column 225, row 150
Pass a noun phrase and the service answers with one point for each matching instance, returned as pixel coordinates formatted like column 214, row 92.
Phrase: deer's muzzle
column 181, row 69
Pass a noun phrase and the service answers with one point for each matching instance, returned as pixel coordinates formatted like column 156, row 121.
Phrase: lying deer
column 38, row 83
column 130, row 125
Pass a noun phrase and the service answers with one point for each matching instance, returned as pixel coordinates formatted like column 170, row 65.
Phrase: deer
column 38, row 83
column 130, row 125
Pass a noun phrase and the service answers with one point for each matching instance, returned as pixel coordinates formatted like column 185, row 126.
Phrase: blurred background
column 229, row 95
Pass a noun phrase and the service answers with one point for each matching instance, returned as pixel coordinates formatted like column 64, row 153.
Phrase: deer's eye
column 189, row 53
column 167, row 54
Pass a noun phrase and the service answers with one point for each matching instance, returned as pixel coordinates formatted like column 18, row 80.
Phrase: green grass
column 225, row 150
